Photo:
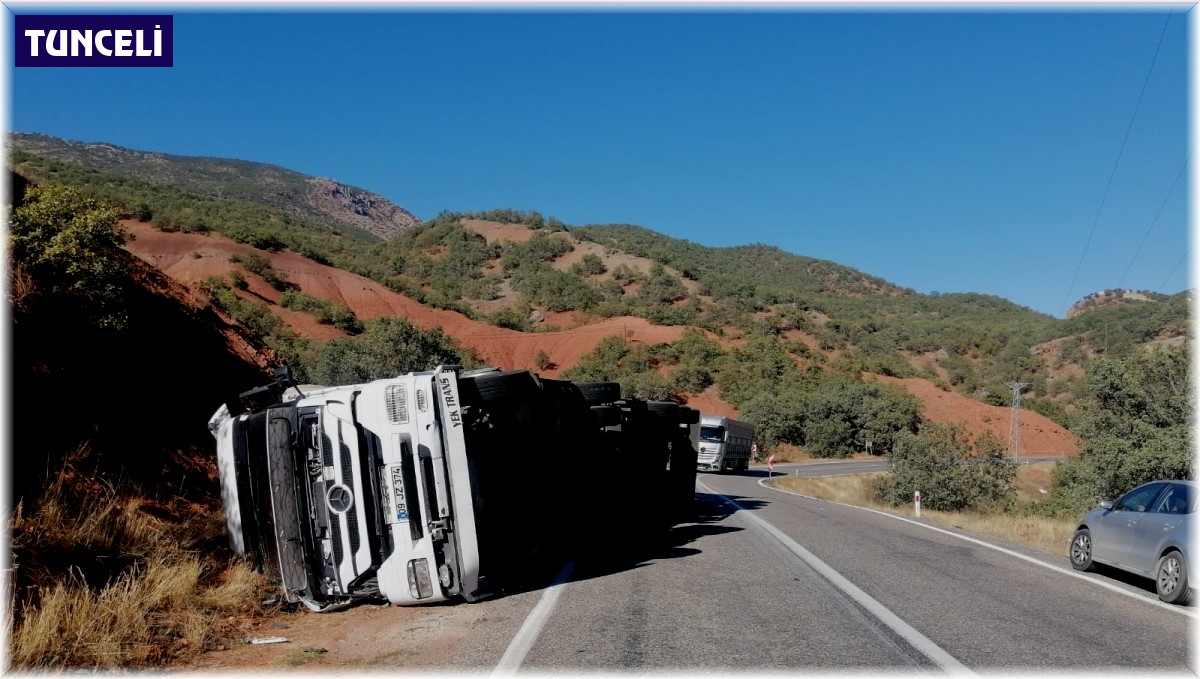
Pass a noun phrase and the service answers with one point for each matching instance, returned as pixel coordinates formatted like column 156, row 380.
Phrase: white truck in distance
column 724, row 444
column 438, row 484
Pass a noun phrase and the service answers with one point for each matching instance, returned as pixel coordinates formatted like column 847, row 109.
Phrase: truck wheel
column 493, row 386
column 596, row 393
column 607, row 416
column 688, row 415
column 666, row 409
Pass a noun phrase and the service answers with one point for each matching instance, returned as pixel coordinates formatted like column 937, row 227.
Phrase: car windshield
column 713, row 434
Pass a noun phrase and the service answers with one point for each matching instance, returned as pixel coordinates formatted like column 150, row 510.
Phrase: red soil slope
column 1040, row 436
column 190, row 258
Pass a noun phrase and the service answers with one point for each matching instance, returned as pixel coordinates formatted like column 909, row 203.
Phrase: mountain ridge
column 321, row 199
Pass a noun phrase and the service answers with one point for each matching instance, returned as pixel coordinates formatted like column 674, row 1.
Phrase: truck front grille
column 396, row 400
column 348, row 480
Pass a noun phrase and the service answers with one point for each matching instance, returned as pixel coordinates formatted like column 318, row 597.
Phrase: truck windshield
column 713, row 434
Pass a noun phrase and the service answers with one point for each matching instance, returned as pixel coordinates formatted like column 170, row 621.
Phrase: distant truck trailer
column 724, row 444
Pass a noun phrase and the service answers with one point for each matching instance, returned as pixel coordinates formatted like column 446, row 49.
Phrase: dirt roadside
column 460, row 638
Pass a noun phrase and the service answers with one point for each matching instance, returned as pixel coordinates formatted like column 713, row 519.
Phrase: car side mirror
column 1106, row 504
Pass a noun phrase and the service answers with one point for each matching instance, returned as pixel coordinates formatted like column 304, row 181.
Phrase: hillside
column 324, row 201
column 142, row 388
column 496, row 279
column 191, row 258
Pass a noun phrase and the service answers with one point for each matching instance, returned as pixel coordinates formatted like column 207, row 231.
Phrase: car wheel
column 1170, row 578
column 1081, row 550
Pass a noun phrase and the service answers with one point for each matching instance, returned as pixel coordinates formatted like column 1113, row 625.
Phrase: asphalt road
column 768, row 581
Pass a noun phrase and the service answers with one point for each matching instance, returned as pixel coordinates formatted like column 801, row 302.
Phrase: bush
column 257, row 264
column 589, row 265
column 1136, row 427
column 388, row 346
column 938, row 462
column 324, row 311
column 690, row 378
column 70, row 245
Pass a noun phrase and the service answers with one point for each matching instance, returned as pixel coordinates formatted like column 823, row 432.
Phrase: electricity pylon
column 1014, row 432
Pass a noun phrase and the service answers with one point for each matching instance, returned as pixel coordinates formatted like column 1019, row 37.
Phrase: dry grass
column 1048, row 535
column 104, row 580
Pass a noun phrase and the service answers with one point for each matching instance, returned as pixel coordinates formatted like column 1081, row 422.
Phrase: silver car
column 1145, row 532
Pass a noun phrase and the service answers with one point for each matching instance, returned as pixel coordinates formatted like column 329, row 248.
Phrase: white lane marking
column 1058, row 569
column 918, row 641
column 519, row 647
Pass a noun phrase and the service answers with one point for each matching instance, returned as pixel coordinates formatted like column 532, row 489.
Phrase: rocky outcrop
column 368, row 211
column 1104, row 299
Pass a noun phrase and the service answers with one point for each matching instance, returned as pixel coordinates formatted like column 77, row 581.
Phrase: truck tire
column 688, row 415
column 596, row 393
column 494, row 386
column 663, row 409
column 607, row 416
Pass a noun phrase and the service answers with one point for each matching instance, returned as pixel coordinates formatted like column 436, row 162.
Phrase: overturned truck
column 442, row 484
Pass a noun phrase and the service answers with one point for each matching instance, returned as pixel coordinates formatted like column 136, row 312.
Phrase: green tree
column 777, row 418
column 388, row 346
column 1136, row 427
column 70, row 244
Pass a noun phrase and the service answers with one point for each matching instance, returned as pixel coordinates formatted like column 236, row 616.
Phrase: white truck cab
column 348, row 492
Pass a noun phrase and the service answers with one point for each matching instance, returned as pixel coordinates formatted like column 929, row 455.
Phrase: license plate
column 397, row 493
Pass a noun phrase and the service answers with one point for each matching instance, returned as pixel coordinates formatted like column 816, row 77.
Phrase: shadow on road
column 1145, row 584
column 634, row 544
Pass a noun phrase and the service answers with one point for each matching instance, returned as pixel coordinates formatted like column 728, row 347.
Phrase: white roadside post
column 917, row 503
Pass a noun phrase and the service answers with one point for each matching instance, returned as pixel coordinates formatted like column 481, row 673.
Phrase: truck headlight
column 419, row 585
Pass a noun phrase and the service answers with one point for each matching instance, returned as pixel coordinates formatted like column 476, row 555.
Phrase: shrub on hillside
column 691, row 378
column 589, row 265
column 323, row 311
column 388, row 346
column 70, row 245
column 1136, row 427
column 257, row 264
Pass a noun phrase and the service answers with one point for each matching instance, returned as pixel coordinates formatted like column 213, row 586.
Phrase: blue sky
column 957, row 151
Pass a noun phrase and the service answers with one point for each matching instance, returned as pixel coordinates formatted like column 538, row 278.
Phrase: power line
column 1177, row 264
column 1155, row 221
column 1112, row 175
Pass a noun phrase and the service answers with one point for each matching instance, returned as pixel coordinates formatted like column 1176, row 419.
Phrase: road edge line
column 1003, row 550
column 523, row 641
